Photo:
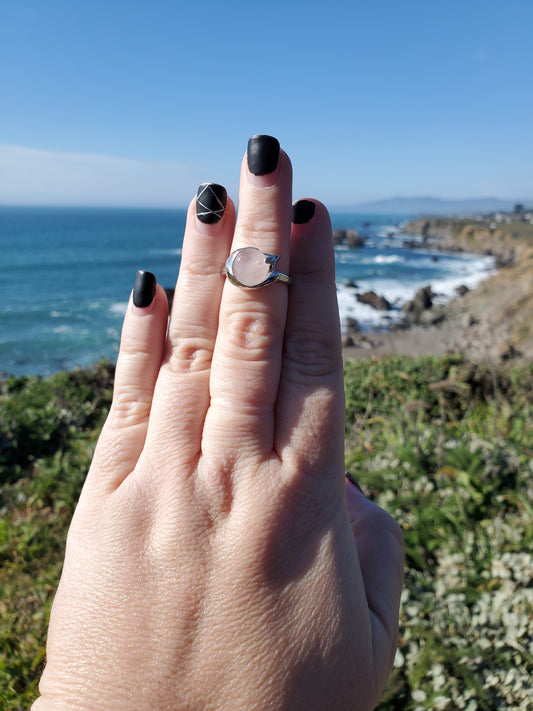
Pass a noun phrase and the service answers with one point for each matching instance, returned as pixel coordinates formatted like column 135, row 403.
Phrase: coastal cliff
column 496, row 319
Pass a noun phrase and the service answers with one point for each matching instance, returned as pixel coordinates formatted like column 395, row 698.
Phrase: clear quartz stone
column 249, row 267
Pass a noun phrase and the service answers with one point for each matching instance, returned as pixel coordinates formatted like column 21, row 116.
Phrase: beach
column 412, row 341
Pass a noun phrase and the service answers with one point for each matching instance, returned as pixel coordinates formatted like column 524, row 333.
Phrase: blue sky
column 137, row 102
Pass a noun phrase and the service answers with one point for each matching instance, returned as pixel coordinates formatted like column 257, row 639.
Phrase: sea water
column 66, row 275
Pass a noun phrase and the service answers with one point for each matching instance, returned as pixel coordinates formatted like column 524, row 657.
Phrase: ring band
column 250, row 268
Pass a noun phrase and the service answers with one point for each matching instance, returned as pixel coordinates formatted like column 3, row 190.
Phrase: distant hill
column 433, row 206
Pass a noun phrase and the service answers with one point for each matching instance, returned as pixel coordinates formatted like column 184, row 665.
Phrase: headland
column 493, row 321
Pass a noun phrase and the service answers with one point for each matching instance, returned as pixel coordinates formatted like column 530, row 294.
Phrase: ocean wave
column 62, row 329
column 166, row 252
column 118, row 308
column 366, row 316
column 388, row 259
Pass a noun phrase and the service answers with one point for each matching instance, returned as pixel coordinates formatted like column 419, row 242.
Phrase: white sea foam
column 166, row 252
column 388, row 259
column 119, row 308
column 366, row 316
column 454, row 272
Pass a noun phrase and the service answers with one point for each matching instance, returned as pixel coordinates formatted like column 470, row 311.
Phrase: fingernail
column 302, row 211
column 352, row 480
column 210, row 203
column 263, row 158
column 144, row 289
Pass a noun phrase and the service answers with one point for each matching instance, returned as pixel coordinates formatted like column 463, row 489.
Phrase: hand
column 217, row 558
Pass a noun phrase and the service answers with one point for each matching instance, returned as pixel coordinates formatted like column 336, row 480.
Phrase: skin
column 217, row 558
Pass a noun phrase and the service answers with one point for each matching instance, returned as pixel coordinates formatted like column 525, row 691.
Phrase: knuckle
column 311, row 353
column 252, row 333
column 191, row 354
column 130, row 407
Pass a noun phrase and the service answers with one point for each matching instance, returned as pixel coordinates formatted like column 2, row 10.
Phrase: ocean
column 67, row 274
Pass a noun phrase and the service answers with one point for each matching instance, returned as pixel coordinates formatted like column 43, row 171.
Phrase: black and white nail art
column 210, row 203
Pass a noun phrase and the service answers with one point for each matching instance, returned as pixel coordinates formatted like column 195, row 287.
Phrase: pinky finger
column 139, row 360
column 379, row 542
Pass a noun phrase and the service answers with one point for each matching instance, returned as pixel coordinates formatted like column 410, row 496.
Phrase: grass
column 447, row 448
column 444, row 445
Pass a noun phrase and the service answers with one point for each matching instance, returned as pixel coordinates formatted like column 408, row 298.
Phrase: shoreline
column 493, row 321
column 413, row 341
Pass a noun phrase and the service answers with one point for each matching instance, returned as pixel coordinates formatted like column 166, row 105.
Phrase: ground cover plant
column 446, row 447
column 443, row 444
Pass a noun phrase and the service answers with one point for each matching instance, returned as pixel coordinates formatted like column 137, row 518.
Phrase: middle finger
column 247, row 358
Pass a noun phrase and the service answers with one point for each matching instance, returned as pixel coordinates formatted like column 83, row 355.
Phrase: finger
column 182, row 392
column 310, row 406
column 138, row 363
column 247, row 358
column 379, row 544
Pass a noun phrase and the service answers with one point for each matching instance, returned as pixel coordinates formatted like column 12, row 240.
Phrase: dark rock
column 339, row 237
column 348, row 237
column 462, row 290
column 352, row 325
column 400, row 325
column 423, row 298
column 353, row 240
column 347, row 341
column 372, row 299
column 422, row 302
column 507, row 351
column 433, row 316
column 351, row 285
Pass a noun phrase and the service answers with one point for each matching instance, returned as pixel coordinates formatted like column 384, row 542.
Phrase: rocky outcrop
column 352, row 331
column 422, row 311
column 350, row 238
column 504, row 242
column 372, row 299
column 423, row 300
column 495, row 320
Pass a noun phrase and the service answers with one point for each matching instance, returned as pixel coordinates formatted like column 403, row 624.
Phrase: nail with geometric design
column 210, row 203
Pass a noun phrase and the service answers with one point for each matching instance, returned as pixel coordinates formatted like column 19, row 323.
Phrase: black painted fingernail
column 210, row 203
column 302, row 211
column 263, row 154
column 144, row 289
column 352, row 480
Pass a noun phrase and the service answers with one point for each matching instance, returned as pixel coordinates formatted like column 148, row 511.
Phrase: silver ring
column 250, row 268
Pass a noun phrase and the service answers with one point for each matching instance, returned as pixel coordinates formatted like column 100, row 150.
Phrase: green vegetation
column 447, row 448
column 48, row 430
column 444, row 445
